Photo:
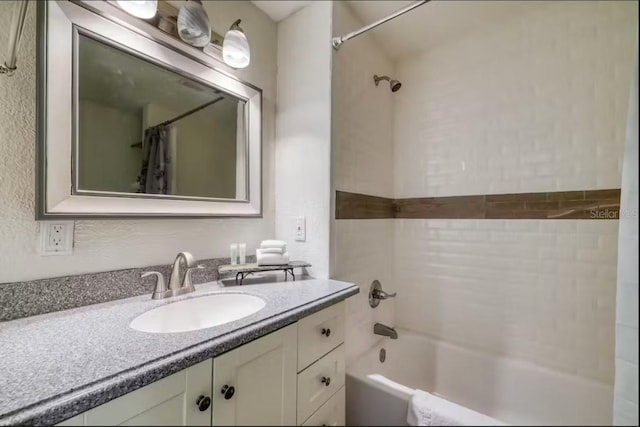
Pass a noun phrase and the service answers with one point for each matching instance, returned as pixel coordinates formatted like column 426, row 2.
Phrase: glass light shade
column 235, row 49
column 144, row 9
column 194, row 26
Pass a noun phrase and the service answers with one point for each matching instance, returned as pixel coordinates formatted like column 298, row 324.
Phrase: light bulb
column 235, row 47
column 194, row 26
column 144, row 9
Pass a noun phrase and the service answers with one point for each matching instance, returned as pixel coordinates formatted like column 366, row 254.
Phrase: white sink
column 197, row 313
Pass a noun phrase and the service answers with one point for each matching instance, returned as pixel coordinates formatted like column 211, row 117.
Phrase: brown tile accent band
column 589, row 204
column 363, row 206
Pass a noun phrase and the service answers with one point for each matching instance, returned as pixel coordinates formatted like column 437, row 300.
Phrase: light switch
column 301, row 229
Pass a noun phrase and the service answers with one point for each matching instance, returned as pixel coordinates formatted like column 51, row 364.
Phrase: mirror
column 186, row 139
column 135, row 123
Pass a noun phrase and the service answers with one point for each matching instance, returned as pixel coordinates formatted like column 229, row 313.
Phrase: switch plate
column 56, row 238
column 301, row 229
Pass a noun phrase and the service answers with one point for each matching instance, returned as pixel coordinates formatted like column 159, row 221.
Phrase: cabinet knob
column 203, row 402
column 228, row 391
column 326, row 381
column 326, row 332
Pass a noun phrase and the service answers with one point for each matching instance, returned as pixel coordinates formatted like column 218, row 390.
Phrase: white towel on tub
column 425, row 409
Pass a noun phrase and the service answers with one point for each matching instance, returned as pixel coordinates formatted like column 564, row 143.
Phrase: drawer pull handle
column 203, row 402
column 228, row 391
column 326, row 332
column 326, row 381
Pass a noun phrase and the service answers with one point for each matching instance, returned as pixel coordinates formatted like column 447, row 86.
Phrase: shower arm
column 17, row 26
column 337, row 41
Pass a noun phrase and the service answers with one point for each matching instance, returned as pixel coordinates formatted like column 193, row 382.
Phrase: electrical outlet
column 56, row 238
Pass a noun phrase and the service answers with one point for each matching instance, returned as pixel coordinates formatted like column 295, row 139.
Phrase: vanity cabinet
column 293, row 376
column 255, row 384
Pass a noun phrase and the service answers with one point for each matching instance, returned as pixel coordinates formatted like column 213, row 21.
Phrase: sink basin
column 197, row 313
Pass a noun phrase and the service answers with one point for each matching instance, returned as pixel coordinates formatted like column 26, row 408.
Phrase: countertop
column 58, row 365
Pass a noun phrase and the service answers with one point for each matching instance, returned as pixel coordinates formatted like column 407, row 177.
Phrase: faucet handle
column 161, row 288
column 380, row 294
column 187, row 276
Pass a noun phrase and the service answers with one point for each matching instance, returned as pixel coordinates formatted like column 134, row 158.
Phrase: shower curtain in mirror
column 155, row 176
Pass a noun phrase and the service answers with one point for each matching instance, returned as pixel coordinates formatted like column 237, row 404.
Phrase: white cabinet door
column 170, row 401
column 255, row 384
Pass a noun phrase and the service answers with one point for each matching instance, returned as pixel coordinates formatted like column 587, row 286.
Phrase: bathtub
column 509, row 390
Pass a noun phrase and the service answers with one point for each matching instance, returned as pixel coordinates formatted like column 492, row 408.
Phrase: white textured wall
column 107, row 245
column 303, row 152
column 108, row 161
column 534, row 103
column 362, row 162
column 625, row 405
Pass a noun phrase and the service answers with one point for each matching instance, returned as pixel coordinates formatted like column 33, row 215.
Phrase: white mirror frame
column 58, row 24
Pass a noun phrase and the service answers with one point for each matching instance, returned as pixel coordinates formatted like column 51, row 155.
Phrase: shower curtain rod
column 182, row 116
column 337, row 41
column 190, row 112
column 17, row 25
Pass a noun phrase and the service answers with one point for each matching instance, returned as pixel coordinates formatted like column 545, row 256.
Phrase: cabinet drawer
column 319, row 382
column 320, row 333
column 331, row 413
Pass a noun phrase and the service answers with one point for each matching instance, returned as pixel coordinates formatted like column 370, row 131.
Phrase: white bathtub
column 511, row 391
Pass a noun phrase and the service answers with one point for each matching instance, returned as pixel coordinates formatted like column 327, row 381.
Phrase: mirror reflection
column 148, row 130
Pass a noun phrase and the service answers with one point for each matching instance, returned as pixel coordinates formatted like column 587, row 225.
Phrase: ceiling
column 422, row 28
column 434, row 22
column 278, row 10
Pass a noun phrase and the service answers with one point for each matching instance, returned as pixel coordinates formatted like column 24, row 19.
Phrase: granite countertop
column 57, row 365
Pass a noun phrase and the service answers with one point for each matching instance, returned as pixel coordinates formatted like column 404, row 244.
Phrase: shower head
column 395, row 85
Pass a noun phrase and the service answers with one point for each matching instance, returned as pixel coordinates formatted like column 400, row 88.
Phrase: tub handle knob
column 326, row 381
column 376, row 294
column 326, row 332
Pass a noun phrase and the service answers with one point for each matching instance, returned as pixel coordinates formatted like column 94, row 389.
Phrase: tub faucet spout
column 385, row 331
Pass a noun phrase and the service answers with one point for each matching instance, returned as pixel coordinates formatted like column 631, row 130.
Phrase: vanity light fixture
column 235, row 47
column 145, row 9
column 194, row 26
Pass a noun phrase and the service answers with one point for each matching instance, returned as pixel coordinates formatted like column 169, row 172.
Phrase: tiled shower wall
column 533, row 103
column 362, row 161
column 625, row 405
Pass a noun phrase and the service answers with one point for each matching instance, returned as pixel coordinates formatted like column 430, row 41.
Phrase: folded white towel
column 425, row 409
column 271, row 259
column 278, row 251
column 280, row 244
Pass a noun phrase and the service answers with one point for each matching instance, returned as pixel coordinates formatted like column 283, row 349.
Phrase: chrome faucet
column 385, row 331
column 179, row 281
column 176, row 280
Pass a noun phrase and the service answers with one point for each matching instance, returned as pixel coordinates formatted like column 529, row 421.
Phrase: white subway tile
column 625, row 413
column 627, row 303
column 627, row 343
column 627, row 380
